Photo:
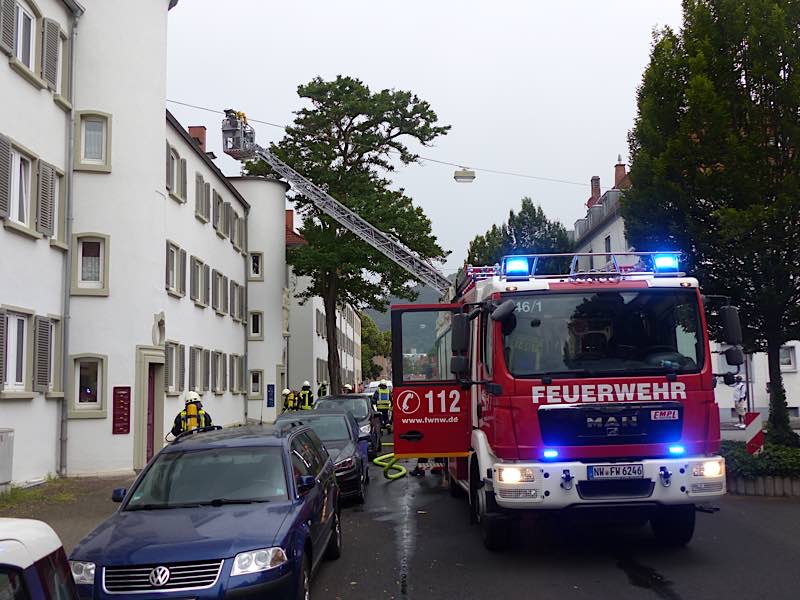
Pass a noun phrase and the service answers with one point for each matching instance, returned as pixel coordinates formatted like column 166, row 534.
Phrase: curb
column 764, row 486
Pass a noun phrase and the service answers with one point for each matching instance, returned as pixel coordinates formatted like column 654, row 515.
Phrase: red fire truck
column 582, row 390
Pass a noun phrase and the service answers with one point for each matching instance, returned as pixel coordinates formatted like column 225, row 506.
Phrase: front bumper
column 349, row 481
column 557, row 485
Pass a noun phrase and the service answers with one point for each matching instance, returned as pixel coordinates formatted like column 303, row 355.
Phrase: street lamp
column 464, row 175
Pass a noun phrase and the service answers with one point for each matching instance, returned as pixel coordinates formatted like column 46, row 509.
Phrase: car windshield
column 585, row 334
column 214, row 476
column 329, row 428
column 358, row 407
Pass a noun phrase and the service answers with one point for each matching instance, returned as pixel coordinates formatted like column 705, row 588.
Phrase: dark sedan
column 362, row 409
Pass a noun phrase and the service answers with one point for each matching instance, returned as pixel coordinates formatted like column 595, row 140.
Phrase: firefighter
column 322, row 390
column 289, row 400
column 305, row 397
column 348, row 389
column 193, row 416
column 383, row 401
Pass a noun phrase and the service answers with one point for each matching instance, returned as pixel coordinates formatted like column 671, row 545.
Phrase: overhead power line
column 423, row 158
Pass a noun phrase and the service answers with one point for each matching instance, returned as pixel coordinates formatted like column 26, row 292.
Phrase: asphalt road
column 411, row 540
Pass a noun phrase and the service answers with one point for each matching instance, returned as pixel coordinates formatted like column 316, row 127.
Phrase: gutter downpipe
column 245, row 383
column 67, row 276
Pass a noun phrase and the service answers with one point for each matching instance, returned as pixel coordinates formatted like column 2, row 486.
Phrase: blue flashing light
column 550, row 453
column 666, row 262
column 677, row 449
column 517, row 265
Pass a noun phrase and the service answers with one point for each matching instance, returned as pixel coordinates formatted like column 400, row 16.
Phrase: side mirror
column 305, row 484
column 729, row 378
column 459, row 365
column 731, row 326
column 459, row 333
column 118, row 495
column 734, row 356
column 504, row 311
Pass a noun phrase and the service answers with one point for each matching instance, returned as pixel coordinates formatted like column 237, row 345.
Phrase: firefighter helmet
column 286, row 391
column 306, row 384
column 192, row 397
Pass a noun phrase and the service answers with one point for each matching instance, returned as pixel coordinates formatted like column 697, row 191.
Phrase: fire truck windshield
column 604, row 333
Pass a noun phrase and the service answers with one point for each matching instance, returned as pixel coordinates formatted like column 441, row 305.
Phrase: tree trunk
column 334, row 369
column 779, row 431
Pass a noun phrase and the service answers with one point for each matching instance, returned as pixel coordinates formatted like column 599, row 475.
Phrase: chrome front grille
column 707, row 487
column 145, row 579
column 517, row 493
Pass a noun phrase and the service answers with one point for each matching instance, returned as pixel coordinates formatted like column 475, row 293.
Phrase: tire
column 366, row 474
column 361, row 496
column 455, row 490
column 496, row 534
column 304, row 585
column 673, row 526
column 334, row 549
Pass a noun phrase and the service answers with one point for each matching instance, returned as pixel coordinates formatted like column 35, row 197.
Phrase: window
column 607, row 243
column 16, row 339
column 176, row 175
column 21, row 172
column 197, row 369
column 199, row 274
column 219, row 373
column 235, row 373
column 12, row 584
column 256, row 260
column 173, row 376
column 219, row 293
column 88, row 386
column 217, row 216
column 787, row 358
column 255, row 321
column 175, row 275
column 94, row 140
column 256, row 390
column 25, row 37
column 202, row 198
column 94, row 132
column 90, row 264
column 236, row 300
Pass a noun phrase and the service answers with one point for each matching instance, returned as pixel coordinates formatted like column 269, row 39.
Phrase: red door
column 151, row 410
column 432, row 414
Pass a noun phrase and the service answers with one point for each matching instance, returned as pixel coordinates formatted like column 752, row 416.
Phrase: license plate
column 615, row 471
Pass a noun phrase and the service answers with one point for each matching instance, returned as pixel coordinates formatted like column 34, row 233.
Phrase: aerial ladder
column 239, row 142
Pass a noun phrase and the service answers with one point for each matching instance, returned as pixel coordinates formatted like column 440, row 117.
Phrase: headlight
column 515, row 475
column 365, row 428
column 83, row 572
column 342, row 465
column 709, row 468
column 258, row 560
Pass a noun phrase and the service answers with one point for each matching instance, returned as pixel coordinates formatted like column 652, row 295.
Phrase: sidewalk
column 72, row 507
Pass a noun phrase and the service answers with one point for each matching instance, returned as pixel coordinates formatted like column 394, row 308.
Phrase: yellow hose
column 391, row 470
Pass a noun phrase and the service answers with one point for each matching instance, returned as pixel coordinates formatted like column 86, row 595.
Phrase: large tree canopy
column 347, row 140
column 526, row 232
column 374, row 342
column 715, row 166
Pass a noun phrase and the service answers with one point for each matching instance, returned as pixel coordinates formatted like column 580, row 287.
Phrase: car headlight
column 255, row 561
column 709, row 468
column 365, row 428
column 515, row 475
column 83, row 572
column 345, row 464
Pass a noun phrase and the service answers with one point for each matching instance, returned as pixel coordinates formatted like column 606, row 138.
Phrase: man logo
column 159, row 576
column 409, row 402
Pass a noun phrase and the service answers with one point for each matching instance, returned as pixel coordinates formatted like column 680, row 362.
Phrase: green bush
column 779, row 461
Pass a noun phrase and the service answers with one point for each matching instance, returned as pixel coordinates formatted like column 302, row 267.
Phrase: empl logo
column 409, row 402
column 159, row 576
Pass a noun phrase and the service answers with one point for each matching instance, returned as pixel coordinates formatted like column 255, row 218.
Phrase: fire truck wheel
column 496, row 534
column 674, row 525
column 455, row 490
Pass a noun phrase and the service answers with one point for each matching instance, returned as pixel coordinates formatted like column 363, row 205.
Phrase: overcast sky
column 541, row 88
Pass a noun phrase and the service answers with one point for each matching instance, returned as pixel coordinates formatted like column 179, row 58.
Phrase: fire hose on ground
column 391, row 470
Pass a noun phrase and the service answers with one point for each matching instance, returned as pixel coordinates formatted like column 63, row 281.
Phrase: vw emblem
column 159, row 576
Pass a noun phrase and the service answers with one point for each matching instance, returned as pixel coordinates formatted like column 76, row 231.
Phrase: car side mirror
column 504, row 311
column 459, row 333
column 729, row 378
column 734, row 356
column 731, row 326
column 118, row 495
column 305, row 484
column 459, row 365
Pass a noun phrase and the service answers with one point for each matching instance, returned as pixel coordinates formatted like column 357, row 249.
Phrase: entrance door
column 431, row 412
column 151, row 409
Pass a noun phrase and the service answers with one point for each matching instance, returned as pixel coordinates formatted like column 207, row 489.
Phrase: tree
column 347, row 142
column 528, row 232
column 715, row 170
column 374, row 342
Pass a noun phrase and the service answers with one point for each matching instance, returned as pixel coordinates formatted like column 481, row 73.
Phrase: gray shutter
column 205, row 361
column 41, row 354
column 166, row 268
column 214, row 290
column 215, row 210
column 213, row 368
column 169, row 171
column 206, row 283
column 3, row 329
column 181, row 367
column 199, row 191
column 182, row 272
column 168, row 366
column 224, row 372
column 226, row 219
column 224, row 294
column 207, row 201
column 8, row 24
column 232, row 371
column 232, row 298
column 51, row 36
column 193, row 269
column 184, row 183
column 5, row 173
column 46, row 199
column 192, row 361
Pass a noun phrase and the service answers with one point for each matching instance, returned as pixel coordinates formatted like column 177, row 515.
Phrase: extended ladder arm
column 238, row 140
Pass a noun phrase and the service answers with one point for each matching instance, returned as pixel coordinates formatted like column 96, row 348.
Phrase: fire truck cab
column 551, row 388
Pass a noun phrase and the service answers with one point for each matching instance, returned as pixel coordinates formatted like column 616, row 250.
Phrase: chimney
column 198, row 133
column 595, row 197
column 619, row 172
column 289, row 219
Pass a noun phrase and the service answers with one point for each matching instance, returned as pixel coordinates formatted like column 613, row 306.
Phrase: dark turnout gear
column 191, row 417
column 306, row 398
column 322, row 390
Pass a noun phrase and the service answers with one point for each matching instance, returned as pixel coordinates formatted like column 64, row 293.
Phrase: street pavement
column 412, row 540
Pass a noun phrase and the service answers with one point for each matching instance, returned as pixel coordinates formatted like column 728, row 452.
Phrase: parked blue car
column 246, row 512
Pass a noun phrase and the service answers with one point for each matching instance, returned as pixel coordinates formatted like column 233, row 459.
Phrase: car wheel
column 334, row 549
column 361, row 496
column 366, row 474
column 304, row 587
column 674, row 525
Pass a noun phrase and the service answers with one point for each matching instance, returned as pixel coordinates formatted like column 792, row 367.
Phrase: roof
column 231, row 437
column 171, row 120
column 24, row 541
column 294, row 239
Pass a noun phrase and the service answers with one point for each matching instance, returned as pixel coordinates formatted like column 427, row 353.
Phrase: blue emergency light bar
column 518, row 266
column 677, row 450
column 666, row 263
column 550, row 453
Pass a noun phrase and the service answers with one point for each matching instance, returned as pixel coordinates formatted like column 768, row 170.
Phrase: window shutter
column 232, row 370
column 214, row 290
column 192, row 362
column 183, row 192
column 226, row 219
column 224, row 372
column 199, row 194
column 3, row 329
column 205, row 360
column 166, row 268
column 193, row 278
column 5, row 170
column 169, row 171
column 168, row 366
column 46, row 199
column 207, row 201
column 215, row 209
column 214, row 371
column 224, row 294
column 8, row 24
column 206, row 283
column 233, row 298
column 51, row 36
column 41, row 354
column 181, row 367
column 182, row 272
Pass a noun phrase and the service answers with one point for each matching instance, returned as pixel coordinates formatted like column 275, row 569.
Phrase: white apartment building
column 125, row 249
column 603, row 230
